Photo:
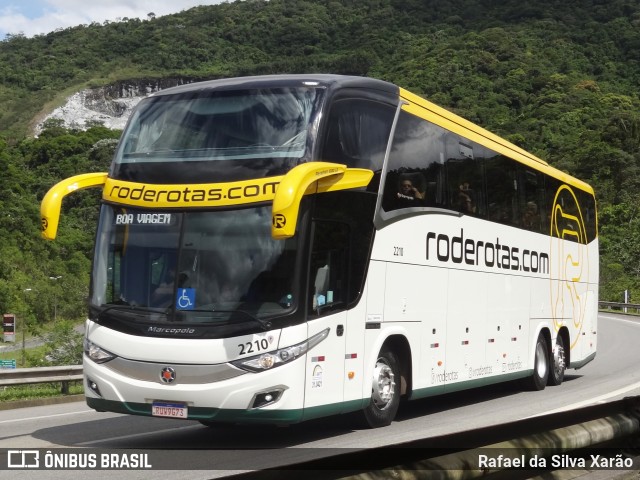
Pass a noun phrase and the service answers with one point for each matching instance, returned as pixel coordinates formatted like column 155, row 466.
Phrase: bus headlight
column 96, row 353
column 266, row 361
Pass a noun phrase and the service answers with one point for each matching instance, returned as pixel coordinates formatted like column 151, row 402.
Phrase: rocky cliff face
column 110, row 105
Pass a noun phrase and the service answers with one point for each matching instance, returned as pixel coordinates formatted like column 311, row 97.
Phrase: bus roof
column 265, row 81
column 426, row 109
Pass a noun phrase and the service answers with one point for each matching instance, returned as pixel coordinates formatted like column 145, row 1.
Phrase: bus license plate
column 170, row 410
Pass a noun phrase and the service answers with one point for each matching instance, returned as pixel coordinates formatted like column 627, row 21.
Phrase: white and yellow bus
column 280, row 248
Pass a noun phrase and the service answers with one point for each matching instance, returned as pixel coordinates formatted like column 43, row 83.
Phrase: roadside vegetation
column 32, row 392
column 58, row 343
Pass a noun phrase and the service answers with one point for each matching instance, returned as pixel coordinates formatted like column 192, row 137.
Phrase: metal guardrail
column 623, row 307
column 27, row 376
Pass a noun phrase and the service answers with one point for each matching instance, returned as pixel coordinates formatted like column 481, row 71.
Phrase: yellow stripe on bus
column 422, row 108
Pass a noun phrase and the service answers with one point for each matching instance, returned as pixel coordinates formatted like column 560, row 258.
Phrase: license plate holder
column 169, row 410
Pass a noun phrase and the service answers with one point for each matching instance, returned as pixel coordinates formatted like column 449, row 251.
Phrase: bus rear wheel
column 538, row 380
column 559, row 363
column 385, row 391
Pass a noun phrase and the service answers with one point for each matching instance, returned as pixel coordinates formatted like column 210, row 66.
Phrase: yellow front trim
column 52, row 201
column 310, row 178
column 193, row 195
column 351, row 178
column 205, row 195
column 285, row 191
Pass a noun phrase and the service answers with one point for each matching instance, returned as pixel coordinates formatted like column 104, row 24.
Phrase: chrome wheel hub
column 541, row 360
column 558, row 360
column 384, row 384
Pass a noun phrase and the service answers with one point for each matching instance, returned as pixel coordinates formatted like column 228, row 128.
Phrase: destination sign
column 144, row 219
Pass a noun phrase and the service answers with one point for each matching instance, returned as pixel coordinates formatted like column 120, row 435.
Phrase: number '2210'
column 255, row 346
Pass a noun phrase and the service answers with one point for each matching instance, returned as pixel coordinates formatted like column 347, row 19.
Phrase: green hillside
column 558, row 78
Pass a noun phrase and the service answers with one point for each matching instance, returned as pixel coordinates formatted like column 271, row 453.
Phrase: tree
column 63, row 346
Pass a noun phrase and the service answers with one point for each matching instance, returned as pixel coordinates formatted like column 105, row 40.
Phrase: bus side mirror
column 52, row 201
column 300, row 181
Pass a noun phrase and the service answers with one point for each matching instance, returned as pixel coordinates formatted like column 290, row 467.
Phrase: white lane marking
column 591, row 401
column 632, row 322
column 45, row 416
column 121, row 437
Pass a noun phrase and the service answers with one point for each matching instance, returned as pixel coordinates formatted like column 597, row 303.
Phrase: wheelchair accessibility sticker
column 186, row 299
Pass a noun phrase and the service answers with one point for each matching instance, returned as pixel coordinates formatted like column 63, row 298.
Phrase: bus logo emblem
column 279, row 221
column 167, row 375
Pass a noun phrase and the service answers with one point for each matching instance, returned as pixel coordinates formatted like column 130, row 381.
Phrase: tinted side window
column 588, row 205
column 465, row 176
column 502, row 190
column 342, row 237
column 358, row 133
column 572, row 212
column 429, row 166
column 531, row 201
column 415, row 177
column 329, row 266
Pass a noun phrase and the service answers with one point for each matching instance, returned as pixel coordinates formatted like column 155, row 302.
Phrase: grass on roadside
column 16, row 355
column 44, row 390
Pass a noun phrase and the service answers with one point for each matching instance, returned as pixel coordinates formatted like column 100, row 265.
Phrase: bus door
column 327, row 302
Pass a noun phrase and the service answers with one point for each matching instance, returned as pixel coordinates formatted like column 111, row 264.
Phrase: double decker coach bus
column 280, row 248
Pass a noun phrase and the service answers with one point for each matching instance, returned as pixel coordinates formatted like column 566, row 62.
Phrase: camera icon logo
column 23, row 459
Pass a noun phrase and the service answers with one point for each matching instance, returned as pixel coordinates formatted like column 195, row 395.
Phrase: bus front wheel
column 385, row 391
column 538, row 380
column 559, row 363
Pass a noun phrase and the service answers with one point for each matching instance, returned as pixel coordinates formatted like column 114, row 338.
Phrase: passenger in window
column 466, row 200
column 501, row 214
column 530, row 217
column 407, row 192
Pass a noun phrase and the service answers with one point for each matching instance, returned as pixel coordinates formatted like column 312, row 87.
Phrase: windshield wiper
column 265, row 324
column 123, row 306
column 127, row 308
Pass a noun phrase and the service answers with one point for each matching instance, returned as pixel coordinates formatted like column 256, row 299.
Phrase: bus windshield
column 194, row 267
column 219, row 125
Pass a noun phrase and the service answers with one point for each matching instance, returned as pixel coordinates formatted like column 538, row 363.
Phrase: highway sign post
column 9, row 327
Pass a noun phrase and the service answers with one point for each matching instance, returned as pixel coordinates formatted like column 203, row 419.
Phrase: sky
column 34, row 17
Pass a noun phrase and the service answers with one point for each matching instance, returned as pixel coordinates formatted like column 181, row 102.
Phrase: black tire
column 558, row 363
column 385, row 391
column 541, row 368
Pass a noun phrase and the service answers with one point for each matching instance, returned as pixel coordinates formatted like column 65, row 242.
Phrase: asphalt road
column 613, row 375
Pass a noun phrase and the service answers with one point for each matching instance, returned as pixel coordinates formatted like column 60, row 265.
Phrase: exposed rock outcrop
column 110, row 105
